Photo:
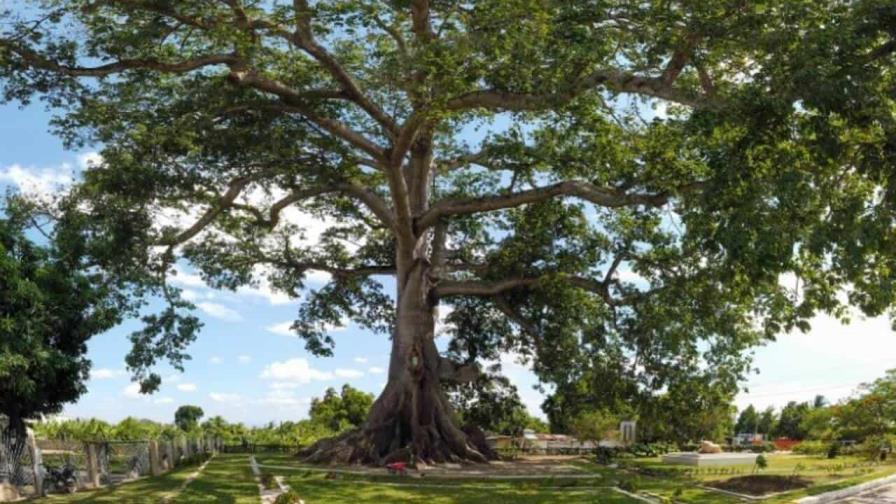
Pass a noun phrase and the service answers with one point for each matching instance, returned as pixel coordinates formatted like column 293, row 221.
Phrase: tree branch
column 603, row 196
column 621, row 82
column 449, row 288
column 304, row 38
column 33, row 59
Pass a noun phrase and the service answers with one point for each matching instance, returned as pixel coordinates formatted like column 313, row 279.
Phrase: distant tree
column 186, row 418
column 747, row 421
column 820, row 401
column 490, row 402
column 817, row 423
column 594, row 425
column 791, row 419
column 767, row 421
column 872, row 413
column 340, row 411
column 136, row 429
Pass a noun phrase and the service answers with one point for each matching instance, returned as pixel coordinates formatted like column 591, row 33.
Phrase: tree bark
column 412, row 420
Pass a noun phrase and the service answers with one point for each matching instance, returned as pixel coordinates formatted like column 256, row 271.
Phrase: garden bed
column 761, row 484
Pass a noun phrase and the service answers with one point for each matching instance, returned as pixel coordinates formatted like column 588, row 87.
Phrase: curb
column 847, row 492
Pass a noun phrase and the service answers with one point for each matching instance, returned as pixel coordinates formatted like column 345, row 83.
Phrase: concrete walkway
column 882, row 495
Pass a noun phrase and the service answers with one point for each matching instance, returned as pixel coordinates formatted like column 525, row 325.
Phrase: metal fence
column 27, row 466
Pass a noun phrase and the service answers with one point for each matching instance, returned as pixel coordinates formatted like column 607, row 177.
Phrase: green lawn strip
column 683, row 485
column 226, row 479
column 144, row 490
column 315, row 488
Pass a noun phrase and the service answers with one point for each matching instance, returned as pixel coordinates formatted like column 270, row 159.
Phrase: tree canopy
column 601, row 186
column 49, row 308
column 187, row 417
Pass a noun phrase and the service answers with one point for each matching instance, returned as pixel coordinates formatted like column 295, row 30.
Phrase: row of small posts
column 95, row 464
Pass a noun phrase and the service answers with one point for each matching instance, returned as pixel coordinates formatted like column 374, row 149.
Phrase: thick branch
column 33, row 59
column 449, row 288
column 603, row 196
column 621, row 82
column 227, row 201
column 304, row 38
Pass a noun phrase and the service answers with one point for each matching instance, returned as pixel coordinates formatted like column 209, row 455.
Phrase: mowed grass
column 228, row 479
column 682, row 483
column 146, row 490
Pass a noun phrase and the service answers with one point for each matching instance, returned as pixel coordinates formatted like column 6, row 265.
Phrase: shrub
column 761, row 462
column 833, row 450
column 629, row 485
column 811, row 448
column 605, row 455
column 268, row 481
column 290, row 497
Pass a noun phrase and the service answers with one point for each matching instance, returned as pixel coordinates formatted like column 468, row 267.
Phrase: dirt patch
column 761, row 484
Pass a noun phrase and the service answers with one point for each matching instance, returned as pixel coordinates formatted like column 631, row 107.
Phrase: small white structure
column 710, row 459
column 627, row 430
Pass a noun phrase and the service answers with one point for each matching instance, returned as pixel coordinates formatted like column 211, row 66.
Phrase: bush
column 290, row 497
column 652, row 449
column 833, row 450
column 811, row 448
column 877, row 447
column 761, row 462
column 764, row 447
column 629, row 485
column 605, row 455
column 268, row 481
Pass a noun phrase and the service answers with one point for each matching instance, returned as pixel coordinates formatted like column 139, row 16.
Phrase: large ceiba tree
column 608, row 187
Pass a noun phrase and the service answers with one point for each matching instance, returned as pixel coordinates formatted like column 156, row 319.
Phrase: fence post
column 93, row 466
column 36, row 463
column 155, row 467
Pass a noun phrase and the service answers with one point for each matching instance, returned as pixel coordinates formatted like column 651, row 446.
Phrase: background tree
column 790, row 422
column 50, row 306
column 340, row 411
column 767, row 421
column 576, row 227
column 186, row 418
column 747, row 421
column 595, row 426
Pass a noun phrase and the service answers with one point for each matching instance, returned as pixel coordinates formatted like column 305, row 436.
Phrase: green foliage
column 790, row 422
column 491, row 402
column 747, row 421
column 340, row 411
column 812, row 447
column 635, row 259
column 594, row 425
column 186, row 417
column 761, row 462
column 50, row 307
column 290, row 497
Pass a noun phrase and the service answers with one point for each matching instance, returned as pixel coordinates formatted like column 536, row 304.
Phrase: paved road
column 882, row 495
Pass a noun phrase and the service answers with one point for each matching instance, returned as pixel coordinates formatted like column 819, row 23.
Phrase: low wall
column 710, row 459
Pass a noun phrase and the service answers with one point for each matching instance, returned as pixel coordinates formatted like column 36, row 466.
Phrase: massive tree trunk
column 412, row 419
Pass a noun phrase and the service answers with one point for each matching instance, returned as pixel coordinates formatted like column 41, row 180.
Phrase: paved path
column 882, row 495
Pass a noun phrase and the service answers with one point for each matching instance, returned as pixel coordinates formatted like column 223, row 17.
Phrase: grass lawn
column 228, row 479
column 680, row 482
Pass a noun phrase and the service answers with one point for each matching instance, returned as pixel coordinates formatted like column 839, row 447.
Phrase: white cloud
column 164, row 400
column 186, row 387
column 38, row 182
column 244, row 359
column 442, row 320
column 219, row 311
column 89, row 160
column 215, row 360
column 361, row 360
column 186, row 279
column 132, row 391
column 348, row 373
column 284, row 385
column 224, row 397
column 281, row 397
column 283, row 329
column 376, row 370
column 294, row 370
column 105, row 373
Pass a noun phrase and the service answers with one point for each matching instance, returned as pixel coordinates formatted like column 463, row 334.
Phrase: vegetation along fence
column 33, row 467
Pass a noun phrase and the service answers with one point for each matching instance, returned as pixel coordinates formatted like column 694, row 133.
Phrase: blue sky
column 246, row 367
